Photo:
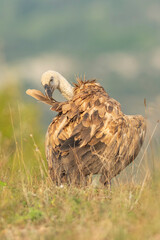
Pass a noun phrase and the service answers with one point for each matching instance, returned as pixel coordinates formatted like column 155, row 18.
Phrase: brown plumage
column 90, row 135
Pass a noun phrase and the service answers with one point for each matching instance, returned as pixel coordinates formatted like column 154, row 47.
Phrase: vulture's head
column 50, row 82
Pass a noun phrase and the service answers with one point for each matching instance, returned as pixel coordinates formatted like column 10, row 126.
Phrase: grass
column 32, row 207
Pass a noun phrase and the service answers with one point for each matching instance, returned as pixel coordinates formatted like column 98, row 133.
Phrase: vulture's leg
column 108, row 185
column 96, row 180
column 105, row 179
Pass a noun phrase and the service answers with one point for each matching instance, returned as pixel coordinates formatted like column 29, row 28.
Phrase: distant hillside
column 84, row 28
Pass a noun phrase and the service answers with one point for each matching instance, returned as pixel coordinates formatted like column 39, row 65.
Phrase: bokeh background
column 116, row 42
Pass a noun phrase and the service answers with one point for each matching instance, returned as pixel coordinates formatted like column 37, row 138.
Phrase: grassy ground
column 32, row 207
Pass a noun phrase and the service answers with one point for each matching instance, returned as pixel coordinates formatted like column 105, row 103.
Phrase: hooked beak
column 48, row 91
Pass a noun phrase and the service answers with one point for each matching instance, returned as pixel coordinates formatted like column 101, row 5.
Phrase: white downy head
column 52, row 80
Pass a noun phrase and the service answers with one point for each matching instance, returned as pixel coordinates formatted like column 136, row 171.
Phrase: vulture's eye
column 51, row 80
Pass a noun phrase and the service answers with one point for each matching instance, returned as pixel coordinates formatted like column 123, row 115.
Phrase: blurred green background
column 117, row 42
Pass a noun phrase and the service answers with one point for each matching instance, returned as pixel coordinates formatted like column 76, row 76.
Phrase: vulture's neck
column 65, row 88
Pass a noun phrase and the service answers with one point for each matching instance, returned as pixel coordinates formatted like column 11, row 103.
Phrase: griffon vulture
column 90, row 134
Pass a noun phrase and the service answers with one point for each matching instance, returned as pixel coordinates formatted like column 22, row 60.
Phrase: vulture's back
column 91, row 135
